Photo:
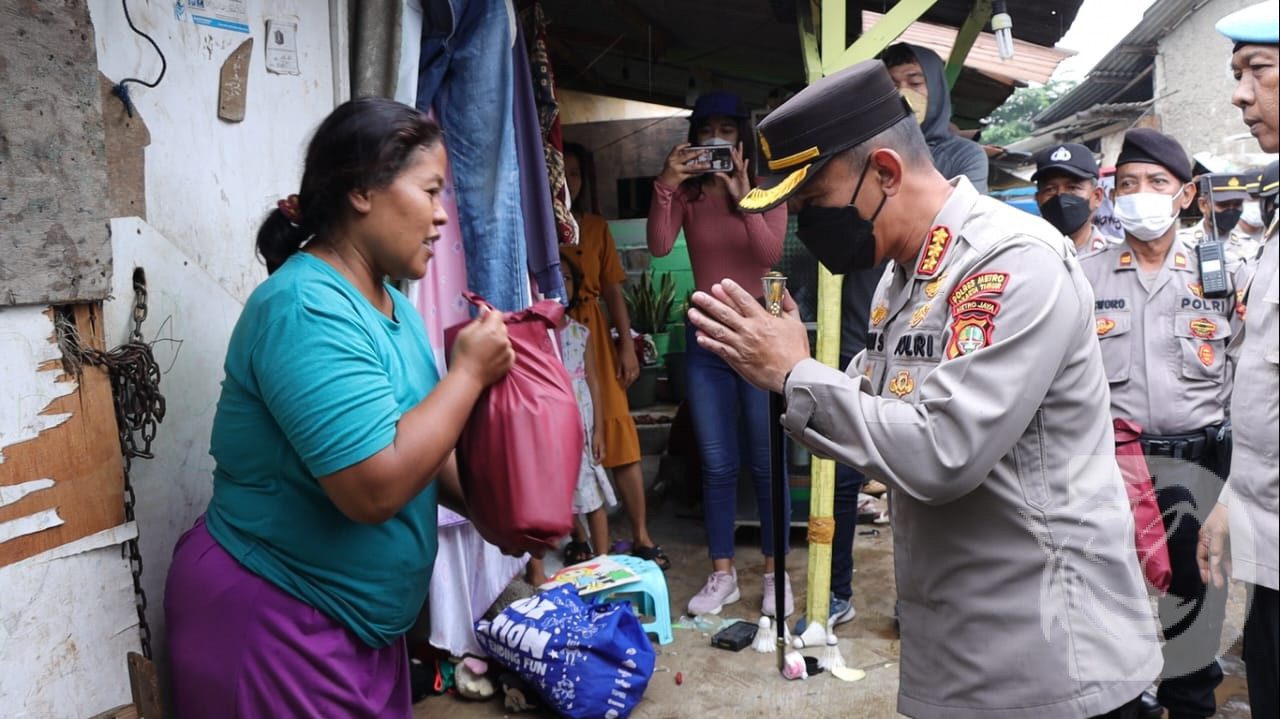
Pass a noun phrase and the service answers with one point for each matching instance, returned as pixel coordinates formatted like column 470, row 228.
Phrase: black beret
column 830, row 116
column 1157, row 148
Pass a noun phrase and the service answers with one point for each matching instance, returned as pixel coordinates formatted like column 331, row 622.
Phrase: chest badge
column 935, row 249
column 1126, row 259
column 1179, row 260
column 1203, row 328
column 921, row 312
column 1196, row 288
column 878, row 314
column 1104, row 325
column 902, row 384
column 931, row 289
column 1205, row 353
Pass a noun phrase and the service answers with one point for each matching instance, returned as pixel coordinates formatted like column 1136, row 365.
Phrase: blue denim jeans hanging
column 466, row 73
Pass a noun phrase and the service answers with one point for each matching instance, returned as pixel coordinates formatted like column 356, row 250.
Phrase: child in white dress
column 594, row 493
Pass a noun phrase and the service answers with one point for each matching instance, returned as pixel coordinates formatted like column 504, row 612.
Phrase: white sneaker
column 721, row 589
column 769, row 606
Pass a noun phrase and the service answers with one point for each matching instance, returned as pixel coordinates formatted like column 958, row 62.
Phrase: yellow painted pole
column 832, row 57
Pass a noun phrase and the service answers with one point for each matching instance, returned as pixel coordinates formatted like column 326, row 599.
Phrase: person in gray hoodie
column 921, row 77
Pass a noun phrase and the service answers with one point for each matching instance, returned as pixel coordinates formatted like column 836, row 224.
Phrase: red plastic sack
column 519, row 453
column 1148, row 527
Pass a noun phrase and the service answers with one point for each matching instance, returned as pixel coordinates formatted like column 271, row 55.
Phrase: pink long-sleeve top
column 722, row 243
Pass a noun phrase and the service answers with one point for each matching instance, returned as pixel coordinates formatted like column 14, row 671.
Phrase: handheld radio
column 1213, row 259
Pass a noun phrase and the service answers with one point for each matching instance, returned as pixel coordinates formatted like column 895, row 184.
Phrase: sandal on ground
column 653, row 554
column 576, row 552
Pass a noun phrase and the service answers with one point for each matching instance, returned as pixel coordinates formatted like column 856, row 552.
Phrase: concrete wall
column 1193, row 84
column 66, row 617
column 626, row 148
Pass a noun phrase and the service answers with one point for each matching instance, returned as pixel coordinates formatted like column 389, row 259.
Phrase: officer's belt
column 1191, row 446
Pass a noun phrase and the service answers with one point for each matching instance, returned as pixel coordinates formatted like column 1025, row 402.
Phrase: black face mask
column 1067, row 213
column 1226, row 220
column 840, row 237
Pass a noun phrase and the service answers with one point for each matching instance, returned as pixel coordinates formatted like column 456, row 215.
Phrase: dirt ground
column 718, row 683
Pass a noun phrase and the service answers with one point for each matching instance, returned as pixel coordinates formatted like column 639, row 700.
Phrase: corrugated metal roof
column 1082, row 126
column 1124, row 74
column 1030, row 63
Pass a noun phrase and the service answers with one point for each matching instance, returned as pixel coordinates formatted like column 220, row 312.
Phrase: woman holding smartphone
column 723, row 242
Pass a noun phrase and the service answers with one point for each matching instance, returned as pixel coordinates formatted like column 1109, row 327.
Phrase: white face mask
column 1146, row 216
column 1252, row 215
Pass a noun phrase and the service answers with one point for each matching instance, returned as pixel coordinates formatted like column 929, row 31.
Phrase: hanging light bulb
column 1002, row 26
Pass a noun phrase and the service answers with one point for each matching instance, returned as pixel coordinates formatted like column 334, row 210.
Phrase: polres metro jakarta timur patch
column 973, row 311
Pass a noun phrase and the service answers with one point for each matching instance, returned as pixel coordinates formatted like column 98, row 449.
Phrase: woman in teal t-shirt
column 333, row 442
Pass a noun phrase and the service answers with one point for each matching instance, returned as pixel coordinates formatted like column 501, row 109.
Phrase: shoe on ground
column 768, row 607
column 841, row 611
column 721, row 589
column 874, row 487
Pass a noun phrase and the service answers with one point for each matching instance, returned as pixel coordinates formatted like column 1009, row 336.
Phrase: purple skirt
column 241, row 647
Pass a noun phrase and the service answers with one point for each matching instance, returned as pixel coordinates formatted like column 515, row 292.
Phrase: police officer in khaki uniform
column 1251, row 499
column 1164, row 345
column 1067, row 193
column 1222, row 213
column 980, row 400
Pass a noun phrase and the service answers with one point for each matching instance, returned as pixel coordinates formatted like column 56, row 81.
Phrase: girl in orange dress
column 602, row 277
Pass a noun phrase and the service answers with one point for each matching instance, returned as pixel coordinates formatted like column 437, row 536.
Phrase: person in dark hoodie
column 921, row 77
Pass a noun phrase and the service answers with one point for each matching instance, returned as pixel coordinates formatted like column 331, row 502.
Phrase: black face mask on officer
column 1226, row 220
column 1067, row 213
column 840, row 237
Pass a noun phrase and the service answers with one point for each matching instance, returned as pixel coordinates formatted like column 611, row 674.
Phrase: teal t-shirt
column 316, row 381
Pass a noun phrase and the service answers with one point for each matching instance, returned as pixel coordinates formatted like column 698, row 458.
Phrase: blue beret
column 1255, row 25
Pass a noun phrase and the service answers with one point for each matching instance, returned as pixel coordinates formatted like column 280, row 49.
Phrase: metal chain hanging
column 139, row 409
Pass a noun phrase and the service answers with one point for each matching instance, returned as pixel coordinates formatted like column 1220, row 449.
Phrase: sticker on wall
column 282, row 47
column 230, row 15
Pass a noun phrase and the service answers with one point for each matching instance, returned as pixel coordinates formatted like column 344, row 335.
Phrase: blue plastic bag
column 587, row 661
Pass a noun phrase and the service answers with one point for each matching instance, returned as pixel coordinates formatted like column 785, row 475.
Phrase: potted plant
column 649, row 303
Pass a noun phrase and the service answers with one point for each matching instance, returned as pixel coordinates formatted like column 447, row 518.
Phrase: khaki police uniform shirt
column 981, row 401
column 1252, row 494
column 1164, row 346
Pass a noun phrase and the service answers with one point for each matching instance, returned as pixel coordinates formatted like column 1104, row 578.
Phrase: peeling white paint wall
column 67, row 616
column 26, row 335
column 67, row 620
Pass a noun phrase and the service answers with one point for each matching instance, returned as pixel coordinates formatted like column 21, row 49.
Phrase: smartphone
column 718, row 157
column 735, row 637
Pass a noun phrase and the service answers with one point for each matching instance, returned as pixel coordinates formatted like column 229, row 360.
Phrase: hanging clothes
column 465, row 72
column 534, row 26
column 541, row 243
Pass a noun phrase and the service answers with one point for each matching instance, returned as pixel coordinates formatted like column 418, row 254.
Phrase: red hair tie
column 290, row 208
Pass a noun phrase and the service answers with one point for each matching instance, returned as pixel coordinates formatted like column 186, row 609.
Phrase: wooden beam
column 979, row 14
column 873, row 41
column 832, row 26
column 808, row 42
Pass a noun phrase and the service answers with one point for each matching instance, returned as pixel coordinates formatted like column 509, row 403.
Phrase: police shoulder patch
column 973, row 311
